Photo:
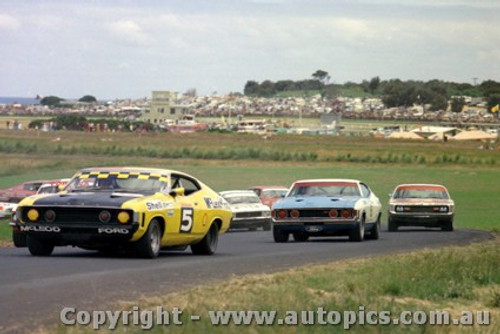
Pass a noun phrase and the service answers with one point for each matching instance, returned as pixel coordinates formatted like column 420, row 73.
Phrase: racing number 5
column 186, row 220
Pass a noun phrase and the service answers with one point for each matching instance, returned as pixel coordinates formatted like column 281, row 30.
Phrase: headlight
column 123, row 217
column 33, row 215
column 104, row 216
column 267, row 213
column 443, row 209
column 399, row 208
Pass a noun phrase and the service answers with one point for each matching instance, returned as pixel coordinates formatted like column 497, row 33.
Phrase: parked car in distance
column 428, row 205
column 19, row 191
column 269, row 194
column 327, row 207
column 53, row 186
column 248, row 211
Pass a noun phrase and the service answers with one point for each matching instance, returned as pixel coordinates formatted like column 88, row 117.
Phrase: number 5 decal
column 186, row 220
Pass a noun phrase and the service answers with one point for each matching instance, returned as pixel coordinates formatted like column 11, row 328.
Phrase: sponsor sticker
column 40, row 228
column 158, row 205
column 215, row 204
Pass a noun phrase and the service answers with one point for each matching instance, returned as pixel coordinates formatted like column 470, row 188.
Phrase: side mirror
column 389, row 194
column 176, row 192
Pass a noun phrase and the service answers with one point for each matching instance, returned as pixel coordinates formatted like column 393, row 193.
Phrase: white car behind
column 248, row 211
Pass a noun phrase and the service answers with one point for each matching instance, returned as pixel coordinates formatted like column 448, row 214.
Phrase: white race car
column 248, row 211
column 428, row 205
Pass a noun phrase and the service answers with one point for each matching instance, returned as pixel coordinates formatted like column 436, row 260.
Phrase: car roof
column 269, row 187
column 420, row 184
column 134, row 169
column 327, row 180
column 125, row 169
column 237, row 192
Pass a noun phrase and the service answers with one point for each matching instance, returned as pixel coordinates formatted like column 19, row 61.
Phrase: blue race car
column 327, row 207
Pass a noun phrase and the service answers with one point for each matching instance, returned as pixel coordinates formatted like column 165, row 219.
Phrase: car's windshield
column 325, row 189
column 241, row 199
column 116, row 183
column 271, row 193
column 421, row 192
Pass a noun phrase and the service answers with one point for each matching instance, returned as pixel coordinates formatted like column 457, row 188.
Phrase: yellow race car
column 110, row 209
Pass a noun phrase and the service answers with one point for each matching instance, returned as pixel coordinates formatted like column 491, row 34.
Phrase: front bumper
column 250, row 222
column 420, row 219
column 77, row 234
column 317, row 227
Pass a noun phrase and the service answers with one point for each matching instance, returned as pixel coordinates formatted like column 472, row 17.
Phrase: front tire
column 391, row 225
column 39, row 248
column 280, row 236
column 149, row 245
column 19, row 239
column 448, row 226
column 300, row 236
column 375, row 231
column 208, row 244
column 358, row 233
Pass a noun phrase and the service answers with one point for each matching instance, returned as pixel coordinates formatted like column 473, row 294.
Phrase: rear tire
column 300, row 236
column 149, row 245
column 39, row 248
column 279, row 235
column 208, row 244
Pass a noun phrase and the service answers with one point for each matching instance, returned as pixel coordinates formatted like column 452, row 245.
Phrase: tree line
column 434, row 94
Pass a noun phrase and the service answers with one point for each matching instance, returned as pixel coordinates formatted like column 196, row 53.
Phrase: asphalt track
column 33, row 290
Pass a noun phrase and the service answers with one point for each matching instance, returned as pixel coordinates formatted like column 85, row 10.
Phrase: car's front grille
column 249, row 214
column 422, row 208
column 73, row 216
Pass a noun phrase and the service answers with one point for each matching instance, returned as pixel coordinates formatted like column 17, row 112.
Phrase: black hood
column 87, row 199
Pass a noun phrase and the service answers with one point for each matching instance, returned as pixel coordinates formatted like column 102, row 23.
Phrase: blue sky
column 125, row 49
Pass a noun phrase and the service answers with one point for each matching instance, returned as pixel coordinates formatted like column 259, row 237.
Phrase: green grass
column 452, row 279
column 471, row 175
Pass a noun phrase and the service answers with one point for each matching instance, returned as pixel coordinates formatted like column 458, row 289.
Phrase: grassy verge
column 248, row 147
column 473, row 189
column 452, row 279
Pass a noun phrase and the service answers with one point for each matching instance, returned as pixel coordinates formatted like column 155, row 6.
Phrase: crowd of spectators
column 233, row 105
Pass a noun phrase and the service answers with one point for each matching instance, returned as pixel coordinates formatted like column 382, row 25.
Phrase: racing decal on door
column 186, row 220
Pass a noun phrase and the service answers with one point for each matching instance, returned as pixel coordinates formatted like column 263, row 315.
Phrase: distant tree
column 490, row 88
column 51, row 101
column 251, row 88
column 457, row 104
column 492, row 102
column 267, row 88
column 284, row 85
column 373, row 85
column 321, row 76
column 88, row 99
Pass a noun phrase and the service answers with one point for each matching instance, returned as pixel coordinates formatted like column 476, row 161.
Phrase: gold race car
column 110, row 209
